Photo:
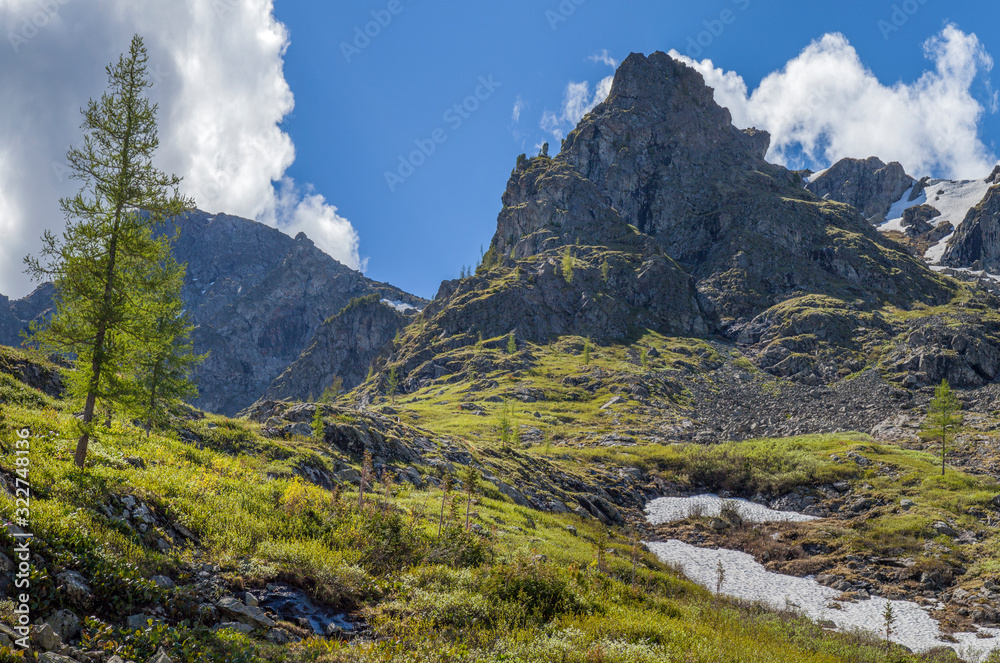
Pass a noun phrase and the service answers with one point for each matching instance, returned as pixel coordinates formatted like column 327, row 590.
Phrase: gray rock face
column 16, row 315
column 916, row 220
column 65, row 624
column 243, row 613
column 977, row 240
column 255, row 294
column 343, row 346
column 75, row 586
column 869, row 185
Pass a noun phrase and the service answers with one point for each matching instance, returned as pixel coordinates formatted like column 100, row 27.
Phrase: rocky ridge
column 256, row 296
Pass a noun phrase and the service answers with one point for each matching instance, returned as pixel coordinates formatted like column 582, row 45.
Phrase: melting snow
column 952, row 199
column 402, row 307
column 746, row 579
column 671, row 509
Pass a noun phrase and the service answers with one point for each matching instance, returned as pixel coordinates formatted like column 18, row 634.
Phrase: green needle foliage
column 944, row 417
column 567, row 265
column 112, row 282
column 470, row 477
column 164, row 361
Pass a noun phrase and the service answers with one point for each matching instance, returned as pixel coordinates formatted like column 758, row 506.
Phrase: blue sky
column 352, row 120
column 266, row 115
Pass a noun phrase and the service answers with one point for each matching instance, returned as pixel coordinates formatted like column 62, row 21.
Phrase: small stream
column 746, row 579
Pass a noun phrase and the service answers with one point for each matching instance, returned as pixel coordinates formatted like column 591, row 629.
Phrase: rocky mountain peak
column 869, row 185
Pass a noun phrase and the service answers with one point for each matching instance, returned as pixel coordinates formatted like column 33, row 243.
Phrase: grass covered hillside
column 219, row 539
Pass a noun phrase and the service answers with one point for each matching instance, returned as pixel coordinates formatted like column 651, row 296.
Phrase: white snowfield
column 744, row 578
column 672, row 509
column 953, row 199
column 402, row 307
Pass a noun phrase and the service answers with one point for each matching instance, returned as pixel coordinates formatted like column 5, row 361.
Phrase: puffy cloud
column 825, row 105
column 217, row 66
column 311, row 214
column 578, row 101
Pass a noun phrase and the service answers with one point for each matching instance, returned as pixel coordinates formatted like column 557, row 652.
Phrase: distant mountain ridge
column 256, row 297
column 950, row 223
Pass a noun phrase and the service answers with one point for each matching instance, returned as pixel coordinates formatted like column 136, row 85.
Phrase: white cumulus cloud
column 578, row 100
column 825, row 105
column 217, row 66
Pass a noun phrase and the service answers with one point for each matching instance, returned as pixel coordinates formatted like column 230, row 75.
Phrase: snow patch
column 672, row 509
column 815, row 176
column 952, row 198
column 746, row 579
column 402, row 307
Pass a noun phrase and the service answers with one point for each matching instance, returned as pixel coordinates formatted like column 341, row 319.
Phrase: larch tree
column 944, row 417
column 164, row 360
column 104, row 265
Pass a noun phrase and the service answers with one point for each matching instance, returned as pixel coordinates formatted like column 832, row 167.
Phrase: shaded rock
column 869, row 185
column 977, row 239
column 75, row 586
column 253, row 616
column 161, row 657
column 163, row 582
column 52, row 657
column 343, row 347
column 46, row 637
column 65, row 624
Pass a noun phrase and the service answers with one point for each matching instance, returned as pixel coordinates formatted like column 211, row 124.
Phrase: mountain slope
column 256, row 297
column 947, row 222
column 343, row 347
column 658, row 215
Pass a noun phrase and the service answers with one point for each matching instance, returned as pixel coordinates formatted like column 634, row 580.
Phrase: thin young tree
column 165, row 360
column 471, row 480
column 446, row 484
column 944, row 417
column 366, row 478
column 100, row 264
column 392, row 383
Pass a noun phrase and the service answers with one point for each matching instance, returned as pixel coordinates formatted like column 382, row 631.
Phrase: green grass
column 527, row 588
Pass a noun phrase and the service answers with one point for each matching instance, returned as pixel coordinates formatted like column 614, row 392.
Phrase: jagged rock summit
column 869, row 185
column 658, row 214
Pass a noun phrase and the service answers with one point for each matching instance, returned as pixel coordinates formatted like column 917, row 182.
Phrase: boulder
column 66, row 625
column 241, row 612
column 52, row 657
column 161, row 657
column 163, row 582
column 45, row 637
column 75, row 586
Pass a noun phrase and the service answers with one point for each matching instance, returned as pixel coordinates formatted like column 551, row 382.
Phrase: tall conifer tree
column 106, row 266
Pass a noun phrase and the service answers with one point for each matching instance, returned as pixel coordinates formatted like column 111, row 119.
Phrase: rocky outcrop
column 916, row 220
column 667, row 217
column 16, row 316
column 868, row 185
column 256, row 296
column 976, row 242
column 343, row 347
